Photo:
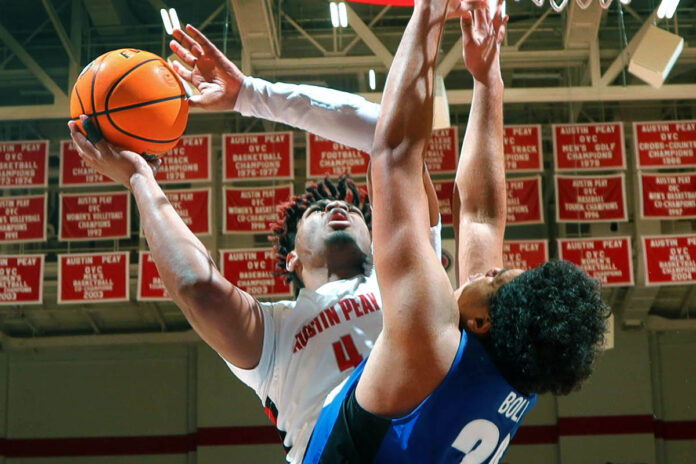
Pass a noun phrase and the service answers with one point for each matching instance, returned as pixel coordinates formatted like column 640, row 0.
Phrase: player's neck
column 313, row 278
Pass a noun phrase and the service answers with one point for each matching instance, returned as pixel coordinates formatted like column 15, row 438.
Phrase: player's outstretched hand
column 119, row 165
column 458, row 8
column 213, row 74
column 481, row 39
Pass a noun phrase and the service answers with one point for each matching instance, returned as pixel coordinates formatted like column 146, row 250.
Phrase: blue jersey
column 474, row 412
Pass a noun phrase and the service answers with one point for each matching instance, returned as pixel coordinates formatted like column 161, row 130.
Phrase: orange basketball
column 134, row 98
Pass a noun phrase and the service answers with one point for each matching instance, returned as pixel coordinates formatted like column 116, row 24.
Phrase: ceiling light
column 167, row 22
column 333, row 8
column 343, row 14
column 372, row 78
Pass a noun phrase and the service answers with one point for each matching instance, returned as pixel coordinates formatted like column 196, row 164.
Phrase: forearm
column 407, row 103
column 339, row 116
column 182, row 260
column 480, row 178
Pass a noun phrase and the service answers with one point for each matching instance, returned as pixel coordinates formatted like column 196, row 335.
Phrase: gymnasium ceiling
column 557, row 68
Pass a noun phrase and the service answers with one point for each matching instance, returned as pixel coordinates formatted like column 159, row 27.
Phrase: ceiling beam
column 30, row 63
column 369, row 37
column 60, row 30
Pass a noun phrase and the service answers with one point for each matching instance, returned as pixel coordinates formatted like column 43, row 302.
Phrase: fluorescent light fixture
column 167, row 23
column 625, row 2
column 672, row 8
column 333, row 8
column 342, row 14
column 175, row 19
column 373, row 79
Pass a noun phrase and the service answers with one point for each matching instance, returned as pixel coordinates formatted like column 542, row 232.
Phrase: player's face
column 326, row 220
column 474, row 296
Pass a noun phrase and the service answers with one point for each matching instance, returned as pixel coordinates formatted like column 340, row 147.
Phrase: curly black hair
column 547, row 327
column 289, row 215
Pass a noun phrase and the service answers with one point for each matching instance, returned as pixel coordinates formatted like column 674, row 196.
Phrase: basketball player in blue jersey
column 453, row 372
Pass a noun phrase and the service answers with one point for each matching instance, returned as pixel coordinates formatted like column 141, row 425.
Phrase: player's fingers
column 205, row 44
column 185, row 74
column 466, row 22
column 500, row 33
column 180, row 51
column 83, row 146
column 481, row 22
column 499, row 9
column 195, row 100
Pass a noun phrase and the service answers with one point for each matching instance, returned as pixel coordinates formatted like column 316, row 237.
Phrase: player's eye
column 353, row 209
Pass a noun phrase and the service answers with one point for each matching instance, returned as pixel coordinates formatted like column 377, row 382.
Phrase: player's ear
column 293, row 263
column 479, row 325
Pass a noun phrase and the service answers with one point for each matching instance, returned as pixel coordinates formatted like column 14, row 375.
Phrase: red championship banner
column 665, row 144
column 251, row 210
column 21, row 279
column 23, row 219
column 93, row 278
column 444, row 190
column 24, row 164
column 325, row 157
column 252, row 271
column 591, row 198
column 74, row 171
column 443, row 151
column 668, row 196
column 524, row 201
column 669, row 259
column 589, row 147
column 607, row 259
column 257, row 156
column 94, row 216
column 150, row 285
column 193, row 205
column 522, row 148
column 525, row 254
column 188, row 161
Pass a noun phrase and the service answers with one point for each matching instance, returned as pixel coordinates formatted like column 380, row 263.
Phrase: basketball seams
column 97, row 67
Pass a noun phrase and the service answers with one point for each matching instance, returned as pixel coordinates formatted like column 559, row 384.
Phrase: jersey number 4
column 347, row 355
column 486, row 434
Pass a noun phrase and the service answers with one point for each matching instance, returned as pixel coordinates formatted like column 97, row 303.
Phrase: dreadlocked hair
column 289, row 214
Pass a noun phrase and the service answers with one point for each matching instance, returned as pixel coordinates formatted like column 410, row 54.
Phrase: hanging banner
column 522, row 148
column 444, row 190
column 23, row 219
column 524, row 201
column 591, row 198
column 150, row 285
column 252, row 271
column 92, row 278
column 665, row 144
column 669, row 259
column 24, row 164
column 193, row 205
column 74, row 172
column 94, row 216
column 442, row 152
column 188, row 161
column 668, row 196
column 21, row 279
column 589, row 147
column 252, row 210
column 525, row 254
column 257, row 156
column 328, row 158
column 607, row 259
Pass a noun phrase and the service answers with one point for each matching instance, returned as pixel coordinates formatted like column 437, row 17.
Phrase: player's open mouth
column 338, row 219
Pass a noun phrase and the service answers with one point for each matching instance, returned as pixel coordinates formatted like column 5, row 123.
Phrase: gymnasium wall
column 180, row 404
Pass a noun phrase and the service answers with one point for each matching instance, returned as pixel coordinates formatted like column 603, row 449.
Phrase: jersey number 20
column 486, row 434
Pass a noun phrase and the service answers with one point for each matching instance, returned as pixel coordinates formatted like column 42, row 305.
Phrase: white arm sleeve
column 339, row 116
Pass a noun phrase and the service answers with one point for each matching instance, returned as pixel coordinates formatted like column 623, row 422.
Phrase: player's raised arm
column 227, row 318
column 479, row 201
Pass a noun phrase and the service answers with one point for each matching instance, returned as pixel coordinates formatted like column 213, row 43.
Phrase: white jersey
column 312, row 344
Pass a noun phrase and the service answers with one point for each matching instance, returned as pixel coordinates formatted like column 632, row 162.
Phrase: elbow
column 196, row 294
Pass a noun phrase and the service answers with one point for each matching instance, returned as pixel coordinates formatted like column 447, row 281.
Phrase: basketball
column 134, row 99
